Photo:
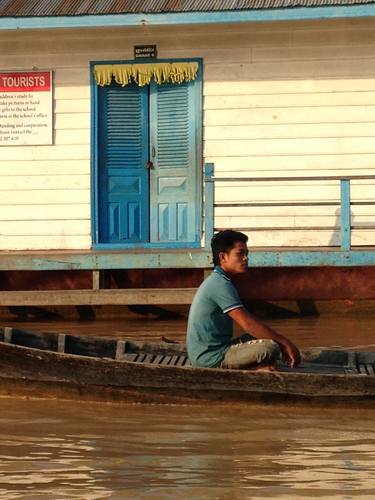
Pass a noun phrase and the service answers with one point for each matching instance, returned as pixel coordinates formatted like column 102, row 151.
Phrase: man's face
column 235, row 261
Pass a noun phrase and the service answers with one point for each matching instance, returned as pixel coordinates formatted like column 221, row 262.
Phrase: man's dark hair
column 224, row 241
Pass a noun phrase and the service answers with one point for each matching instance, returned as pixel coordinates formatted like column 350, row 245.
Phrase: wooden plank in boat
column 362, row 369
column 158, row 359
column 174, row 360
column 166, row 360
column 366, row 369
column 181, row 360
column 141, row 357
column 315, row 368
column 130, row 356
column 149, row 358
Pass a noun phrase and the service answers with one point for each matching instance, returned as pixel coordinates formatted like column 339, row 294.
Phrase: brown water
column 51, row 449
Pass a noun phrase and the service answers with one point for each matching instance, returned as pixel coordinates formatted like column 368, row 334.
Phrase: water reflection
column 54, row 450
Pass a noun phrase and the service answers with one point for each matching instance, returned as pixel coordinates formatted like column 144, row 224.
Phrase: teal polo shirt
column 210, row 329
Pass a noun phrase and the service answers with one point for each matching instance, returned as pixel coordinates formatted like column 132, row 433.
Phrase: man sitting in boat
column 216, row 305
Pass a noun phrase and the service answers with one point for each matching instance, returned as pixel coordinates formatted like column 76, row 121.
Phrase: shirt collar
column 220, row 271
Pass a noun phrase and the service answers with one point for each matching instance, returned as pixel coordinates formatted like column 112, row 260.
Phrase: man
column 217, row 304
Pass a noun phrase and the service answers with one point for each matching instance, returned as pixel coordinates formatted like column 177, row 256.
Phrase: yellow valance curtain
column 142, row 74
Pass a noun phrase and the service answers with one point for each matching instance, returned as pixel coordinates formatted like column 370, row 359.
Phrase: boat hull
column 41, row 373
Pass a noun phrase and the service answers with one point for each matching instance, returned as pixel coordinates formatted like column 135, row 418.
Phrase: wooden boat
column 61, row 365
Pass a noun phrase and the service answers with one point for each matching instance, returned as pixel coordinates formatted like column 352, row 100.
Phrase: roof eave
column 255, row 15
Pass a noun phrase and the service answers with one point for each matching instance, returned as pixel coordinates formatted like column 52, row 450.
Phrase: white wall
column 280, row 99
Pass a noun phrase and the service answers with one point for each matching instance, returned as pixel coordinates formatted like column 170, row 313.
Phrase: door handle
column 149, row 165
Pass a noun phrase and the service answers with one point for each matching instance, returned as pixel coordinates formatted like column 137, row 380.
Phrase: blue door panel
column 173, row 180
column 123, row 178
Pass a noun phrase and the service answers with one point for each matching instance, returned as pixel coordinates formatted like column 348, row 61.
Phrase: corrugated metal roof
column 50, row 8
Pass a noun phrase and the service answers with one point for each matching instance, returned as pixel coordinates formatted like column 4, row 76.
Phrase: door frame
column 96, row 244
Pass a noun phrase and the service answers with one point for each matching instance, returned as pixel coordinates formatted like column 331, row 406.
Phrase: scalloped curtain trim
column 142, row 74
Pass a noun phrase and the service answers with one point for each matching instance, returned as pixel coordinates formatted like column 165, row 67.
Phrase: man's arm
column 257, row 329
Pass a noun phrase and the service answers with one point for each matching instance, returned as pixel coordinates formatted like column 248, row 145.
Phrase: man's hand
column 291, row 354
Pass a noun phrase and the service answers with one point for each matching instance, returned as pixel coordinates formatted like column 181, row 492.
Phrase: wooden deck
column 152, row 258
column 97, row 297
column 100, row 261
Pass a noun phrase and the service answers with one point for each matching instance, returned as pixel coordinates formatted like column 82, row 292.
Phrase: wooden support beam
column 8, row 333
column 120, row 350
column 96, row 280
column 61, row 342
column 98, row 297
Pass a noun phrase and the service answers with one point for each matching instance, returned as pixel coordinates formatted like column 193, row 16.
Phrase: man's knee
column 254, row 352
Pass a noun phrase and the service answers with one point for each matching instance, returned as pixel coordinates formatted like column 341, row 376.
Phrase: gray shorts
column 248, row 352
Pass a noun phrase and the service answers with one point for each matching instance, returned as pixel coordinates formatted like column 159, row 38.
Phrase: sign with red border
column 25, row 108
column 25, row 82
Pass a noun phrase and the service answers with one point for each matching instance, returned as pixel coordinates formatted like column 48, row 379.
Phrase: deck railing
column 344, row 202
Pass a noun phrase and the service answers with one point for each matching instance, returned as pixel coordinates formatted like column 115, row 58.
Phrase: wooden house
column 160, row 122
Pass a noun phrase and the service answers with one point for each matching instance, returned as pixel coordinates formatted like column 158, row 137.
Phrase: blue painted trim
column 94, row 158
column 199, row 150
column 312, row 259
column 173, row 259
column 256, row 15
column 145, row 246
column 209, row 204
column 345, row 214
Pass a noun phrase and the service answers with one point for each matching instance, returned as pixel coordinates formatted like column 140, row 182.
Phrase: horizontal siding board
column 295, row 100
column 279, row 147
column 359, row 67
column 301, row 53
column 45, row 197
column 44, row 228
column 290, row 221
column 287, row 193
column 276, row 115
column 72, row 121
column 62, row 242
column 35, row 153
column 68, row 76
column 44, row 167
column 274, row 222
column 216, row 54
column 72, row 105
column 70, row 92
column 358, row 212
column 45, row 212
column 298, row 164
column 289, row 131
column 73, row 136
column 277, row 86
column 39, row 182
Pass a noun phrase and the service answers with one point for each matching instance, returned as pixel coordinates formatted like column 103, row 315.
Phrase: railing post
column 345, row 215
column 209, row 200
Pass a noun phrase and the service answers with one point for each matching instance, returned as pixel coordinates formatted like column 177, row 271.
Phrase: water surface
column 56, row 449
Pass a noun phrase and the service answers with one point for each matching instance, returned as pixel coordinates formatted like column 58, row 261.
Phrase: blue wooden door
column 123, row 154
column 174, row 153
column 137, row 124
